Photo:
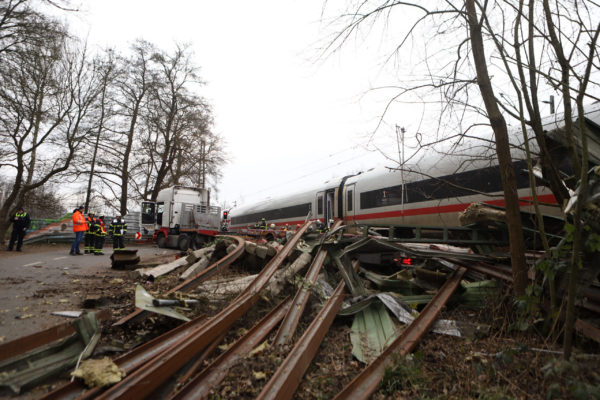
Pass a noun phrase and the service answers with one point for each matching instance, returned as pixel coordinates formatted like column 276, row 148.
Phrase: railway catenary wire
column 302, row 168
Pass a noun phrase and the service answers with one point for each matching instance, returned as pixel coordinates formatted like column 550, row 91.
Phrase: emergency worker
column 90, row 233
column 320, row 226
column 262, row 224
column 20, row 221
column 79, row 227
column 117, row 230
column 100, row 236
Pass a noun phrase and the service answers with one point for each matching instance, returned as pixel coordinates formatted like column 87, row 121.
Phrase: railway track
column 152, row 368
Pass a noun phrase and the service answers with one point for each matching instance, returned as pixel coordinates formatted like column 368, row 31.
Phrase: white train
column 432, row 191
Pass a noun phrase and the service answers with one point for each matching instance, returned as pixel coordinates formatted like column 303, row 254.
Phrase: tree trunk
column 126, row 154
column 507, row 174
column 88, row 194
column 578, row 246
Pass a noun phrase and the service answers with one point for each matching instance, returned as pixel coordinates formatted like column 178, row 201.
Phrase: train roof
column 464, row 154
column 281, row 201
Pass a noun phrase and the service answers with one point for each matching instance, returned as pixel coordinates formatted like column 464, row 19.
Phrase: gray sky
column 289, row 118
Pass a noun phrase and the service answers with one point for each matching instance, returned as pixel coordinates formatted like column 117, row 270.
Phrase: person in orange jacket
column 79, row 227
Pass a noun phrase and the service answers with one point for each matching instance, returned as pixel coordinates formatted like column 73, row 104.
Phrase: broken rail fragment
column 52, row 355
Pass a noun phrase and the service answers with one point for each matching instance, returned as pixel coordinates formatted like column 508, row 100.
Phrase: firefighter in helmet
column 90, row 234
column 117, row 230
column 100, row 236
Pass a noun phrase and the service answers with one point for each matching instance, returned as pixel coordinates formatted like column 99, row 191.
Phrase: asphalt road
column 43, row 279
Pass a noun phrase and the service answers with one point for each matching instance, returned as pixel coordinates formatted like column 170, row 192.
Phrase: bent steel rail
column 130, row 361
column 199, row 387
column 365, row 384
column 144, row 381
column 286, row 379
column 290, row 322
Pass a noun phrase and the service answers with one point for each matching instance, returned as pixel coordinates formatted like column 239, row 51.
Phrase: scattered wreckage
column 361, row 272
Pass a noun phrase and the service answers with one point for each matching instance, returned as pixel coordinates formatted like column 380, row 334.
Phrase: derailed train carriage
column 432, row 191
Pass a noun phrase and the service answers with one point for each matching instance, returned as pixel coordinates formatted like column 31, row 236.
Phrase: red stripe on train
column 524, row 201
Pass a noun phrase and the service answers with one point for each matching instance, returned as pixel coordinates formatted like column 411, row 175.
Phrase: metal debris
column 145, row 301
column 30, row 368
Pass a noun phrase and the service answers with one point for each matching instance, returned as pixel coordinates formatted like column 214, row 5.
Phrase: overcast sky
column 289, row 117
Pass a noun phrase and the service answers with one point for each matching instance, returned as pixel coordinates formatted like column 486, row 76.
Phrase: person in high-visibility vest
column 117, row 230
column 100, row 236
column 90, row 234
column 20, row 221
column 79, row 227
column 262, row 224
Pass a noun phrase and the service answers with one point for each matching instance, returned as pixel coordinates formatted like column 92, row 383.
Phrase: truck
column 181, row 218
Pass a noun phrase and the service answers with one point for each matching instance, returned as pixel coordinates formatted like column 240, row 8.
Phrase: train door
column 330, row 201
column 350, row 206
column 325, row 203
column 320, row 209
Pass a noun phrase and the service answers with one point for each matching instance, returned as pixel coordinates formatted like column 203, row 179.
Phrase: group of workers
column 93, row 231
column 262, row 224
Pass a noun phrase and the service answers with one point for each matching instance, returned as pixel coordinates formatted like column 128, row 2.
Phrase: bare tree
column 21, row 25
column 105, row 68
column 200, row 155
column 175, row 122
column 46, row 96
column 133, row 86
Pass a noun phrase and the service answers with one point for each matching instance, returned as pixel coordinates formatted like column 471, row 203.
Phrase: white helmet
column 272, row 226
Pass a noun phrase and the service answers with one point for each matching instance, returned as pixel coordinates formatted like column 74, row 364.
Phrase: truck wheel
column 184, row 242
column 161, row 241
column 199, row 241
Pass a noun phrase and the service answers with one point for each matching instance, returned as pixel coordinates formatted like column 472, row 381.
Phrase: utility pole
column 203, row 164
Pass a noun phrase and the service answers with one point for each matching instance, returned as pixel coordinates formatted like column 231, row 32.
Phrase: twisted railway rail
column 153, row 365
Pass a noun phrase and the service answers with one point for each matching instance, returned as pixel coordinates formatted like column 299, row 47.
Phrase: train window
column 319, row 205
column 349, row 200
column 296, row 211
column 465, row 183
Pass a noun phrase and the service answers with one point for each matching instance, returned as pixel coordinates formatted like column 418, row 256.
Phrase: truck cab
column 182, row 217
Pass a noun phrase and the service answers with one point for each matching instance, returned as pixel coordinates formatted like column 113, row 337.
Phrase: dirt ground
column 505, row 364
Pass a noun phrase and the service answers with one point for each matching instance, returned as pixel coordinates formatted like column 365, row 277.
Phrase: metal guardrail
column 61, row 230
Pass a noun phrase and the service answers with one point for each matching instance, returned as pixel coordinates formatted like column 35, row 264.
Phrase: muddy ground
column 505, row 364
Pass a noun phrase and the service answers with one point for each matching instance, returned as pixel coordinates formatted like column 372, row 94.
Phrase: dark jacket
column 117, row 228
column 20, row 221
